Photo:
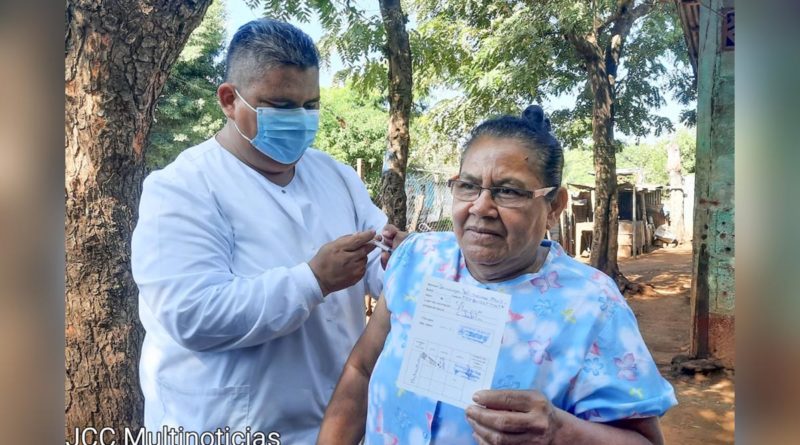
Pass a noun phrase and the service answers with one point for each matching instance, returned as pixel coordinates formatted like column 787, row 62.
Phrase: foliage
column 687, row 142
column 651, row 158
column 435, row 147
column 353, row 126
column 187, row 112
column 358, row 37
column 578, row 167
column 505, row 55
column 501, row 56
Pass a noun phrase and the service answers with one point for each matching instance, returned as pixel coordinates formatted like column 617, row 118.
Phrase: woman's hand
column 513, row 417
column 523, row 416
column 392, row 237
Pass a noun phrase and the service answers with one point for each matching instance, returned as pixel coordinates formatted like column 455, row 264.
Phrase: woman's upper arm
column 648, row 427
column 369, row 346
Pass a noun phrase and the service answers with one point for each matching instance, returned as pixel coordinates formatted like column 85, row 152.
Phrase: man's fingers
column 503, row 421
column 368, row 247
column 357, row 255
column 357, row 240
column 505, row 400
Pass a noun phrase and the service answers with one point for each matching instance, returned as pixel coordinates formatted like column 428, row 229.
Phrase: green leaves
column 353, row 126
column 651, row 158
column 494, row 57
column 187, row 111
column 504, row 55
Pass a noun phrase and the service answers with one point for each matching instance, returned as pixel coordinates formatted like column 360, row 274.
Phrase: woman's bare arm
column 345, row 418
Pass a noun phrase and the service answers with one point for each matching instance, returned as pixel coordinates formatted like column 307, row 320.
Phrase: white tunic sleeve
column 368, row 217
column 181, row 256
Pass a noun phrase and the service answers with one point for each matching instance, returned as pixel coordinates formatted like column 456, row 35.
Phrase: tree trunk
column 676, row 191
column 118, row 56
column 601, row 66
column 392, row 194
column 606, row 208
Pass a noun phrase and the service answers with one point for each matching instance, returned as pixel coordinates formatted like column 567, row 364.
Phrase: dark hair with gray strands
column 532, row 129
column 263, row 44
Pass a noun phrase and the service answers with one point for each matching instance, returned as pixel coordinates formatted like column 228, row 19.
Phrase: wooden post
column 566, row 239
column 418, row 201
column 571, row 223
column 633, row 216
column 644, row 221
column 360, row 168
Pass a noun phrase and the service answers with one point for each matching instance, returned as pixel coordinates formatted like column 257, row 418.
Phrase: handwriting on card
column 454, row 341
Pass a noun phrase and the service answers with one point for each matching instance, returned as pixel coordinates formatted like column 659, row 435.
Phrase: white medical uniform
column 237, row 331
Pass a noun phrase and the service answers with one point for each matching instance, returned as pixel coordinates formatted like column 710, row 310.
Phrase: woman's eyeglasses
column 502, row 196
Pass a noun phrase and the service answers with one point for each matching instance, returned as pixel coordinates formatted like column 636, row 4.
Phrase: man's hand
column 392, row 237
column 513, row 417
column 339, row 264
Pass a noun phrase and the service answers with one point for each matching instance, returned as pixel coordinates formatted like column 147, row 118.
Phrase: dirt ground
column 705, row 411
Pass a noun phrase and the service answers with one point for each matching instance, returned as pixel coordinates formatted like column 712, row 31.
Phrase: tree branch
column 623, row 8
column 626, row 17
column 586, row 46
column 613, row 17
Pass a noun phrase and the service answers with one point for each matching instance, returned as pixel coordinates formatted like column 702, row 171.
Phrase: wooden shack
column 635, row 228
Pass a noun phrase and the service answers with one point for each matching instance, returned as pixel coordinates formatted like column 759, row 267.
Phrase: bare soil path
column 705, row 411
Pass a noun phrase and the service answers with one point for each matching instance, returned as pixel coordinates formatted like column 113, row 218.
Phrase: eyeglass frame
column 493, row 191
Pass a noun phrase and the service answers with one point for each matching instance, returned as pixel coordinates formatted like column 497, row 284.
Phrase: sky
column 239, row 14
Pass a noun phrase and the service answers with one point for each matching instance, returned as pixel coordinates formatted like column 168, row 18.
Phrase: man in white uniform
column 251, row 256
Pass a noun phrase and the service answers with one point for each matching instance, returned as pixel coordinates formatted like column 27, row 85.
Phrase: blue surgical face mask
column 283, row 135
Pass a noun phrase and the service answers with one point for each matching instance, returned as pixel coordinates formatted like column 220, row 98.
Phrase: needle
column 380, row 245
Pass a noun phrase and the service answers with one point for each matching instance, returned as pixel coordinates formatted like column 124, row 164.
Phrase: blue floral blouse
column 569, row 334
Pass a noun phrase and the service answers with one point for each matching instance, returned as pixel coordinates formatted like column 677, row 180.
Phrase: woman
column 572, row 367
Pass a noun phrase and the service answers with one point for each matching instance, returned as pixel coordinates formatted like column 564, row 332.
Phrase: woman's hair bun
column 532, row 131
column 534, row 116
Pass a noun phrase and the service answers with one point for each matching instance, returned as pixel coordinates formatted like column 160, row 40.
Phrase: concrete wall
column 713, row 295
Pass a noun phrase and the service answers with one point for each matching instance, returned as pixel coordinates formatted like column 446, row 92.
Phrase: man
column 252, row 256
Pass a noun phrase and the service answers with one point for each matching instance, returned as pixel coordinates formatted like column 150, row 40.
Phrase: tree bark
column 601, row 65
column 606, row 208
column 118, row 56
column 392, row 195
